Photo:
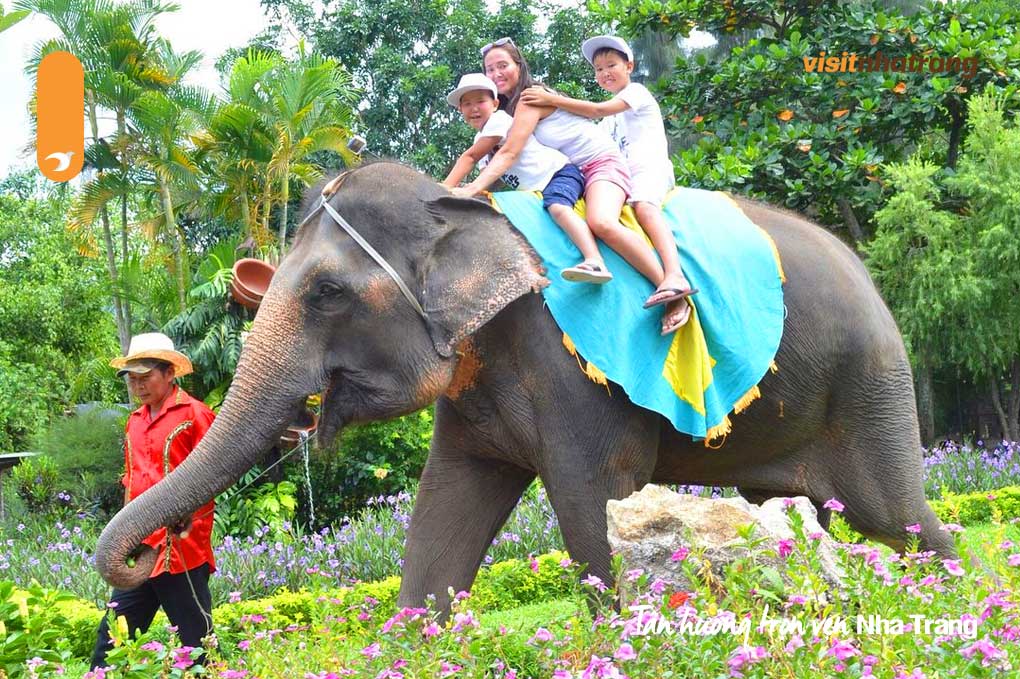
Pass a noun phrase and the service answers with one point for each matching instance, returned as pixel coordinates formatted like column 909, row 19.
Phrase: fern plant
column 209, row 330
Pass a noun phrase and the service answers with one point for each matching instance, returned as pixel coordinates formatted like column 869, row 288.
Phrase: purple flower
column 987, row 650
column 625, row 652
column 596, row 582
column 834, row 504
column 372, row 650
column 951, row 528
column 680, row 554
column 914, row 528
column 785, row 548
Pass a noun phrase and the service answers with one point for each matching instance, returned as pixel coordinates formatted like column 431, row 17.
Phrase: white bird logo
column 63, row 160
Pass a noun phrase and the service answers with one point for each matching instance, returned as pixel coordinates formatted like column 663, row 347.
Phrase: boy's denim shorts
column 565, row 188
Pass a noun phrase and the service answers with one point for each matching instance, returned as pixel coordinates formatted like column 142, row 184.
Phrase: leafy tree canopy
column 407, row 56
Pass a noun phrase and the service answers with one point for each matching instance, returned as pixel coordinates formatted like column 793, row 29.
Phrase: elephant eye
column 328, row 289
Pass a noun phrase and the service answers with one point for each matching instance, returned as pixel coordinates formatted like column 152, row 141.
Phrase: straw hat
column 148, row 348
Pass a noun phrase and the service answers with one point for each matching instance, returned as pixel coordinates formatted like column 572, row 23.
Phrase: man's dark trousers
column 192, row 617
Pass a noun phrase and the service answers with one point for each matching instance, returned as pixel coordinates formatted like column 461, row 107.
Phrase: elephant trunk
column 269, row 388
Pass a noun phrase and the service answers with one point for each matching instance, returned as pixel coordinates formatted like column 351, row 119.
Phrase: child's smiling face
column 477, row 106
column 612, row 71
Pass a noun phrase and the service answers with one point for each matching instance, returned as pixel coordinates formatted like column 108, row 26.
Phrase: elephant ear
column 475, row 268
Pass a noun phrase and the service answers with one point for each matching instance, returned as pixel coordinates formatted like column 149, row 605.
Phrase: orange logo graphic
column 60, row 132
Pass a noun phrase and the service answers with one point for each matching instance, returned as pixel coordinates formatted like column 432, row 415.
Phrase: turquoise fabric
column 739, row 306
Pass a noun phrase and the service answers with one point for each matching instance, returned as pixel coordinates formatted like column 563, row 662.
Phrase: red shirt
column 152, row 449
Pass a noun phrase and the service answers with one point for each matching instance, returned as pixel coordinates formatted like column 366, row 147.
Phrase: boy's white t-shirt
column 535, row 165
column 640, row 134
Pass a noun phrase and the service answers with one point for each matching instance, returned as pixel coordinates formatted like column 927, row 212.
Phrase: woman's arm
column 468, row 160
column 525, row 120
column 539, row 96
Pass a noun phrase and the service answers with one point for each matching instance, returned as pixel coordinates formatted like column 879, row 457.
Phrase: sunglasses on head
column 497, row 43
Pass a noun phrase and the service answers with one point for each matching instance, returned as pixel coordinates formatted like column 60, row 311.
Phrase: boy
column 538, row 168
column 634, row 120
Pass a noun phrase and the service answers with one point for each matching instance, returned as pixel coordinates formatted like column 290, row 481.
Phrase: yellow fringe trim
column 746, row 400
column 773, row 367
column 592, row 371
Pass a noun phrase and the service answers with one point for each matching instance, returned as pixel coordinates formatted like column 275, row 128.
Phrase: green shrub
column 35, row 480
column 979, row 507
column 88, row 451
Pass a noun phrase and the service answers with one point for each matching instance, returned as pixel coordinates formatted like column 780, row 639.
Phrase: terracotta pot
column 306, row 422
column 251, row 280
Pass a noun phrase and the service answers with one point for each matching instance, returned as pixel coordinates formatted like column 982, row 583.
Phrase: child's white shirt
column 536, row 163
column 640, row 134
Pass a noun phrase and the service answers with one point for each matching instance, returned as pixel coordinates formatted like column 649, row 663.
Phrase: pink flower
column 795, row 642
column 625, row 652
column 916, row 674
column 1014, row 559
column 533, row 563
column 542, row 634
column 842, row 650
column 987, row 650
column 233, row 674
column 153, row 646
column 431, row 629
column 634, row 574
column 785, row 548
column 244, row 644
column 745, row 655
column 914, row 528
column 953, row 566
column 182, row 657
column 372, row 650
column 680, row 554
column 789, row 503
column 446, row 669
column 834, row 504
column 596, row 582
column 235, row 597
column 462, row 620
column 951, row 527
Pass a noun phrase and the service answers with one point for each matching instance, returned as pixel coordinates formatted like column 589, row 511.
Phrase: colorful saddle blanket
column 712, row 365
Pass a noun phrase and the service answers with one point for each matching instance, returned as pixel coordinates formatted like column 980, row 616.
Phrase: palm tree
column 111, row 41
column 308, row 103
column 8, row 20
column 237, row 144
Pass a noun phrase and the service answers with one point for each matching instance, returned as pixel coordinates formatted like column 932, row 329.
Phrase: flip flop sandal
column 678, row 324
column 677, row 293
column 586, row 273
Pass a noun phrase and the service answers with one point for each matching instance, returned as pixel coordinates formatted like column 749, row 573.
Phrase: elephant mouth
column 332, row 417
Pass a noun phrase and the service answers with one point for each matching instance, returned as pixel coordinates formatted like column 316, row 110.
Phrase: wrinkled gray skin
column 837, row 420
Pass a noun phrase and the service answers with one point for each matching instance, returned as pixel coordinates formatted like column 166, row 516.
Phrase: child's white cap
column 593, row 45
column 469, row 82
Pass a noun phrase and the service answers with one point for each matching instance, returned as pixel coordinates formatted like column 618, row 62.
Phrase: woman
column 607, row 181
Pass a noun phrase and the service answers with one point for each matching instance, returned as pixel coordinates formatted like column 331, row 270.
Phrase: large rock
column 648, row 527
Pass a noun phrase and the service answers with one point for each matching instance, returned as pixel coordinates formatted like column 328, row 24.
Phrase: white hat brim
column 593, row 45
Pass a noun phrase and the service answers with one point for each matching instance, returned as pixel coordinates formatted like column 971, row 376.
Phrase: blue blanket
column 712, row 365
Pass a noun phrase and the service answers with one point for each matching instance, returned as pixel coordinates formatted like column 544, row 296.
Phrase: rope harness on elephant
column 353, row 233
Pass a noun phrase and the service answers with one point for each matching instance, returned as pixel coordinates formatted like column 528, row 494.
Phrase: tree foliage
column 815, row 141
column 405, row 57
column 946, row 256
column 54, row 323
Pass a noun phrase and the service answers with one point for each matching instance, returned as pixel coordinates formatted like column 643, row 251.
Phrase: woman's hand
column 538, row 96
column 466, row 191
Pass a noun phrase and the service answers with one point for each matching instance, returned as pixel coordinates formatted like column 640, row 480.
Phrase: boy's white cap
column 469, row 82
column 593, row 45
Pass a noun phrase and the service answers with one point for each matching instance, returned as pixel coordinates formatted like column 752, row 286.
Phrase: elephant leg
column 876, row 469
column 758, row 496
column 462, row 502
column 593, row 466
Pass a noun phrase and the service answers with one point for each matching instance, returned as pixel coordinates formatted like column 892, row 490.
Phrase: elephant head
column 334, row 320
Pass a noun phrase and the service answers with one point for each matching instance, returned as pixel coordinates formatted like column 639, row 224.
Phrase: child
column 538, row 167
column 633, row 119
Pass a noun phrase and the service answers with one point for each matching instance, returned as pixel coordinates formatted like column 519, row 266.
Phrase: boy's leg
column 651, row 219
column 604, row 200
column 188, row 604
column 578, row 232
column 138, row 606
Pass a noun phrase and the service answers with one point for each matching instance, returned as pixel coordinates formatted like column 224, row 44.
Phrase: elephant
column 469, row 332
